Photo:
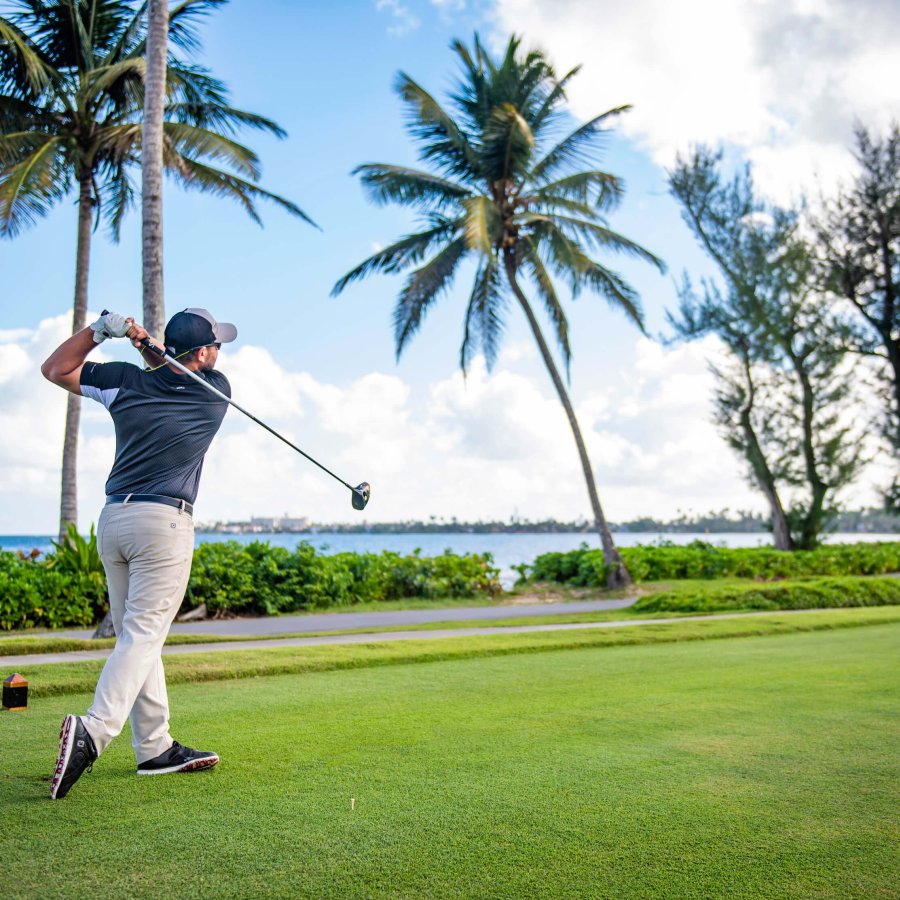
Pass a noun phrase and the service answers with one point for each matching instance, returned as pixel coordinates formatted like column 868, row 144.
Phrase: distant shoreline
column 362, row 530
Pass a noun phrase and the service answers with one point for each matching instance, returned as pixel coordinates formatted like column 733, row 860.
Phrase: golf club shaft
column 200, row 380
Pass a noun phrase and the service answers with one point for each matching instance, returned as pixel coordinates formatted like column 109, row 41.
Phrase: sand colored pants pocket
column 146, row 550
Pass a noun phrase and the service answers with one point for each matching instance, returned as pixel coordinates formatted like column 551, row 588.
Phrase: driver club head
column 361, row 495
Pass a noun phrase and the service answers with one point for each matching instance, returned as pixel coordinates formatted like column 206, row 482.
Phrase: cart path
column 82, row 655
column 393, row 618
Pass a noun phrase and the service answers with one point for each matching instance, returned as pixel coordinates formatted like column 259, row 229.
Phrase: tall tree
column 778, row 328
column 745, row 391
column 504, row 186
column 152, row 166
column 71, row 106
column 859, row 242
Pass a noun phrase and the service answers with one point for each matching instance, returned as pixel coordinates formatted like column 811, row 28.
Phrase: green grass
column 47, row 644
column 762, row 767
column 67, row 678
column 657, row 600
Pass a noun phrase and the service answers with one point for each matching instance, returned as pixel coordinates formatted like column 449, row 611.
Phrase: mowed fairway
column 740, row 767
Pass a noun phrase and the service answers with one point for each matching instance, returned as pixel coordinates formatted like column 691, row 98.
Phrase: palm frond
column 24, row 71
column 30, row 187
column 442, row 141
column 572, row 149
column 554, row 96
column 399, row 255
column 507, row 144
column 18, row 145
column 189, row 140
column 602, row 238
column 129, row 37
column 225, row 119
column 460, row 49
column 483, row 226
column 117, row 195
column 84, row 45
column 22, row 115
column 105, row 80
column 575, row 266
column 121, row 143
column 191, row 83
column 606, row 190
column 210, row 180
column 422, row 288
column 183, row 18
column 534, row 265
column 410, row 187
column 484, row 315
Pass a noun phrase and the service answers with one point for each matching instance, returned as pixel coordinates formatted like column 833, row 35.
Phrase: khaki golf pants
column 146, row 550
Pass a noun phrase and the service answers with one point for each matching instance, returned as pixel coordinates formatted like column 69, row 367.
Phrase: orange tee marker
column 15, row 692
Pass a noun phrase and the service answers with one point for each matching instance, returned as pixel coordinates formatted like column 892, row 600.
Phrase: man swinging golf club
column 164, row 423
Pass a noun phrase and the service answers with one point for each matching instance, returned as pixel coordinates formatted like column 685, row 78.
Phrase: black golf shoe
column 76, row 755
column 178, row 759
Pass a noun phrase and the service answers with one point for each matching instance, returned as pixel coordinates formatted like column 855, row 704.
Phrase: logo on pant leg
column 173, row 525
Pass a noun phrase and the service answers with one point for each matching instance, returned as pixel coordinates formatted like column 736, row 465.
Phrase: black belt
column 151, row 498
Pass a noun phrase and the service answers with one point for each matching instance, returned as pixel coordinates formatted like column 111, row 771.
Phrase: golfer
column 164, row 424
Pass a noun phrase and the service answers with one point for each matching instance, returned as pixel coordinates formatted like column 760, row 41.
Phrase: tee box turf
column 15, row 693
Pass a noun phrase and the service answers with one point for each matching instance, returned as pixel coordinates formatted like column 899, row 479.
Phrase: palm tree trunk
column 152, row 164
column 68, row 510
column 151, row 186
column 618, row 575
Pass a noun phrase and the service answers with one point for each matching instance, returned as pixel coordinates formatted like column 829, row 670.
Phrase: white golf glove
column 110, row 325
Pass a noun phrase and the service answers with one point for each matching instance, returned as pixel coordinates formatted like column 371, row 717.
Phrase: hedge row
column 47, row 594
column 585, row 567
column 819, row 593
column 258, row 579
column 69, row 589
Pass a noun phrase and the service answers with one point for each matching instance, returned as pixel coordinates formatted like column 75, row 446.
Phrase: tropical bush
column 67, row 588
column 257, row 578
column 46, row 594
column 584, row 567
column 816, row 593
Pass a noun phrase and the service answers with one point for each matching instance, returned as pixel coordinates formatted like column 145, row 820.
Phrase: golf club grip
column 174, row 362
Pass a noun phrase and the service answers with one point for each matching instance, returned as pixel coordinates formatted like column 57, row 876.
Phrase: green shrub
column 260, row 579
column 37, row 594
column 68, row 587
column 585, row 567
column 818, row 593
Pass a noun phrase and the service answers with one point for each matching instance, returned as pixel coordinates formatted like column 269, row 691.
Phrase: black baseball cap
column 192, row 328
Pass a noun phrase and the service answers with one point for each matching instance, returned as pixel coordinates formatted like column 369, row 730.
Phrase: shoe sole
column 206, row 763
column 66, row 731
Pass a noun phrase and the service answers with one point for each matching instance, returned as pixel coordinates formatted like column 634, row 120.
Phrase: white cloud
column 783, row 80
column 474, row 448
column 402, row 16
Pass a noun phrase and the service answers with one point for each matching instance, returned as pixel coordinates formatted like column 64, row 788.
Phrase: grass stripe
column 69, row 678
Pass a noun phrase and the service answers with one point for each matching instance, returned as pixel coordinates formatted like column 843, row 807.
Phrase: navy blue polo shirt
column 164, row 423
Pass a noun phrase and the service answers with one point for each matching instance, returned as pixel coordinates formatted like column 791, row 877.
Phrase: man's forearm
column 63, row 365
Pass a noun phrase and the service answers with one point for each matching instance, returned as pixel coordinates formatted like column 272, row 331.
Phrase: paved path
column 10, row 662
column 338, row 621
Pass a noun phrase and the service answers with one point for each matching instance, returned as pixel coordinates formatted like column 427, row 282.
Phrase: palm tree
column 152, row 163
column 502, row 188
column 71, row 105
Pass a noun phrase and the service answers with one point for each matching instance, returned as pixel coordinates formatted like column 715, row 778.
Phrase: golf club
column 360, row 493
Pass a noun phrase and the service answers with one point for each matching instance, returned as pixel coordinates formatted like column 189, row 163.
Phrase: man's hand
column 111, row 325
column 138, row 333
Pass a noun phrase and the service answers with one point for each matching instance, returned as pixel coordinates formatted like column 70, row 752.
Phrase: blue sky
column 323, row 367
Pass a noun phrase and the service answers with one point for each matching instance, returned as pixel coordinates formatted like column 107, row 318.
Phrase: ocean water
column 507, row 549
